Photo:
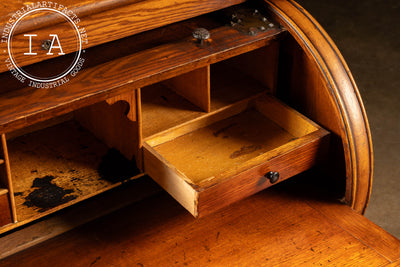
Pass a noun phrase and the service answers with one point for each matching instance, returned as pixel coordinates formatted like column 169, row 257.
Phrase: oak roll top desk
column 214, row 100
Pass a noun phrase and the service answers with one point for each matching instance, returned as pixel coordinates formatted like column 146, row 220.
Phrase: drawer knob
column 46, row 44
column 201, row 35
column 273, row 177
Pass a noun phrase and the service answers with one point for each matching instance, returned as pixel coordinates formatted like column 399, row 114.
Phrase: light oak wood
column 190, row 163
column 163, row 110
column 115, row 122
column 221, row 77
column 67, row 153
column 272, row 228
column 19, row 108
column 260, row 64
column 115, row 22
column 194, row 86
column 342, row 101
column 82, row 213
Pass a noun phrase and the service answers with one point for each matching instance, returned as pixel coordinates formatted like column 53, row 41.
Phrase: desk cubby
column 201, row 119
column 59, row 162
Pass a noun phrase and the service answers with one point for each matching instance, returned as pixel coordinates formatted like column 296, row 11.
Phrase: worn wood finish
column 20, row 108
column 5, row 208
column 115, row 122
column 72, row 158
column 117, row 22
column 82, row 213
column 362, row 229
column 354, row 128
column 194, row 86
column 272, row 228
column 235, row 152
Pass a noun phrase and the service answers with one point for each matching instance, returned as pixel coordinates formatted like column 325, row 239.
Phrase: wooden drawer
column 216, row 160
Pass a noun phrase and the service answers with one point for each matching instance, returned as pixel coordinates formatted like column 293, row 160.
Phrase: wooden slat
column 1, row 161
column 27, row 106
column 271, row 228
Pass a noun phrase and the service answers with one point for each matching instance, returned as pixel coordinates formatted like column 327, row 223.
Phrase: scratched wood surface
column 272, row 228
column 216, row 148
column 60, row 165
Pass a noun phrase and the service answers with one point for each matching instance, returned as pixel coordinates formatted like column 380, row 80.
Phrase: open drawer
column 213, row 161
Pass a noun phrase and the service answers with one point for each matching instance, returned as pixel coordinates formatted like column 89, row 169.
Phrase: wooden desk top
column 271, row 228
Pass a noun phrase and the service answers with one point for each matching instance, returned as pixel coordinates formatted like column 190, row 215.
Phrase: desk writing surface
column 271, row 228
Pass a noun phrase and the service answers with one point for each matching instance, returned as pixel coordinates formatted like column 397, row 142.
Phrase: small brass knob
column 201, row 35
column 273, row 177
column 46, row 44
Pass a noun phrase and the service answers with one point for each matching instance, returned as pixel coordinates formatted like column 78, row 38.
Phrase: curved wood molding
column 354, row 132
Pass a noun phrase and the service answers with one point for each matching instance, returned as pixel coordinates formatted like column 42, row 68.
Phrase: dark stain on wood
column 244, row 150
column 47, row 194
column 114, row 167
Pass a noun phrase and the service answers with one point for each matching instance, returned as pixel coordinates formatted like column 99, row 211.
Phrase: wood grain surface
column 112, row 21
column 20, row 108
column 217, row 163
column 268, row 229
column 353, row 127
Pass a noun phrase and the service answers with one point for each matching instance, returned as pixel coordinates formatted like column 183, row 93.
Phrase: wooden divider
column 194, row 86
column 5, row 176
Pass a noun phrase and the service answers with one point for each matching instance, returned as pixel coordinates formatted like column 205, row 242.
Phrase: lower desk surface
column 274, row 227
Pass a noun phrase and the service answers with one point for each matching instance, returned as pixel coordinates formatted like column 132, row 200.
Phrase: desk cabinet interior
column 202, row 120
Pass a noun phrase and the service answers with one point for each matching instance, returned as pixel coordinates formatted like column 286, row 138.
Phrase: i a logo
column 58, row 47
column 49, row 48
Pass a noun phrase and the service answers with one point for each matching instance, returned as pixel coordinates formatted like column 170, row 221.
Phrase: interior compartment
column 65, row 160
column 209, row 89
column 190, row 160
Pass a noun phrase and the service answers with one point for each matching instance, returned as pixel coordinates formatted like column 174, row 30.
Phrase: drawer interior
column 193, row 158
